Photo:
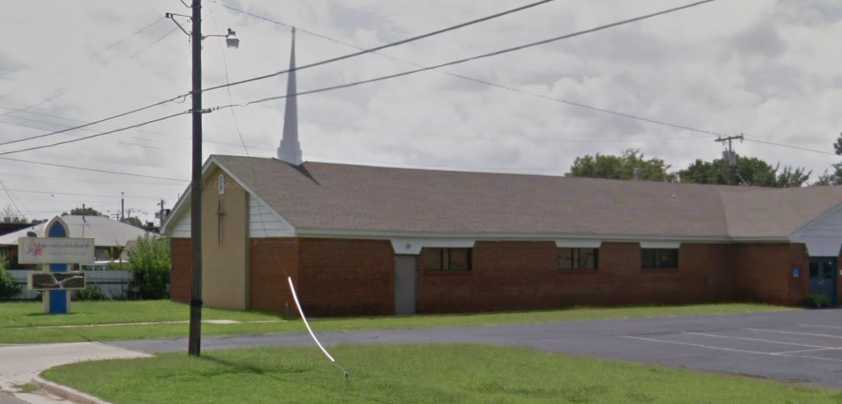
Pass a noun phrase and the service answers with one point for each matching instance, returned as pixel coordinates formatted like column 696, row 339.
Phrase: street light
column 231, row 39
column 194, row 347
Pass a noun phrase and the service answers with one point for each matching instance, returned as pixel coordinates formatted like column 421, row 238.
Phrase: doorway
column 405, row 284
column 823, row 273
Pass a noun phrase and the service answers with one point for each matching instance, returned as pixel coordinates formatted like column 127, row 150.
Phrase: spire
column 290, row 149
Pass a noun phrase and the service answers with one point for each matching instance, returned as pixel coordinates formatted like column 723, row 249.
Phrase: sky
column 767, row 68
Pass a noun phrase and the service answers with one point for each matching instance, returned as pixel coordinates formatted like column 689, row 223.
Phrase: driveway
column 20, row 364
column 796, row 346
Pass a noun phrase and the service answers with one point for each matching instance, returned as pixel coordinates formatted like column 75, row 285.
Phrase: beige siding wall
column 225, row 243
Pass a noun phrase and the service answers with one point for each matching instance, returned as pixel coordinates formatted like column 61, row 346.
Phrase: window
column 221, row 184
column 578, row 259
column 447, row 259
column 659, row 258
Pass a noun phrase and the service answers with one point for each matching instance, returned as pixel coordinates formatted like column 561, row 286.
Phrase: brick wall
column 271, row 261
column 182, row 270
column 764, row 273
column 345, row 277
column 350, row 277
column 524, row 275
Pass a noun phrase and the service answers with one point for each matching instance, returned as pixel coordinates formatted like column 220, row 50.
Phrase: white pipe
column 307, row 324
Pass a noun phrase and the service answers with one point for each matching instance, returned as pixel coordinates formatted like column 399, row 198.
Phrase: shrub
column 8, row 287
column 818, row 301
column 91, row 292
column 149, row 262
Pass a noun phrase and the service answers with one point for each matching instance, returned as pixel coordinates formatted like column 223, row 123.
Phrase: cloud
column 766, row 68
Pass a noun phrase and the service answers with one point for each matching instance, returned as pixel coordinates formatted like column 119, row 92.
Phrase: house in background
column 111, row 237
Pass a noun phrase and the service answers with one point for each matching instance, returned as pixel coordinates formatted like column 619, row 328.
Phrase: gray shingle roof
column 104, row 231
column 355, row 199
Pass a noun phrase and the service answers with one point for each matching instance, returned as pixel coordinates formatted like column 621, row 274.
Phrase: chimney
column 290, row 149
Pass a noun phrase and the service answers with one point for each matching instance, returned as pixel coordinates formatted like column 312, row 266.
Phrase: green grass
column 414, row 374
column 24, row 322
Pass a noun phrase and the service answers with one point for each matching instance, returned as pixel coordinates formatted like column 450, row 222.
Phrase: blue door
column 823, row 272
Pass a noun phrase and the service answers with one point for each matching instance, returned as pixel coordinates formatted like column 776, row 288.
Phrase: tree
column 8, row 287
column 834, row 177
column 83, row 211
column 632, row 164
column 748, row 171
column 149, row 260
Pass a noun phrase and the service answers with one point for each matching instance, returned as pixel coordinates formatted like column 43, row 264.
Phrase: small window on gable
column 446, row 259
column 659, row 258
column 578, row 259
column 221, row 184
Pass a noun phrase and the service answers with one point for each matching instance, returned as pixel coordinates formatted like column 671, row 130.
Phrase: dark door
column 823, row 277
column 405, row 284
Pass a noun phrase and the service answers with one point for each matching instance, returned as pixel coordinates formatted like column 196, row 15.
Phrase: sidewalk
column 20, row 364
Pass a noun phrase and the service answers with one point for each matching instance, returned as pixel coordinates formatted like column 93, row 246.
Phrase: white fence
column 113, row 284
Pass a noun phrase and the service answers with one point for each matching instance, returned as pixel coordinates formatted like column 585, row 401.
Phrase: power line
column 526, row 92
column 389, row 45
column 482, row 81
column 790, row 146
column 11, row 199
column 27, row 191
column 95, row 170
column 311, row 65
column 85, row 125
column 153, row 43
column 228, row 89
column 478, row 57
column 396, row 75
column 79, row 139
column 133, row 34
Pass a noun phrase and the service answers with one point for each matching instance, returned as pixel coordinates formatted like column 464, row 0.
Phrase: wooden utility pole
column 195, row 334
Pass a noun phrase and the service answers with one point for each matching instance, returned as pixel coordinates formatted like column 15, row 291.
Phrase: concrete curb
column 67, row 393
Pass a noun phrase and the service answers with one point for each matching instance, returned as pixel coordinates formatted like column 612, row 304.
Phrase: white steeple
column 290, row 149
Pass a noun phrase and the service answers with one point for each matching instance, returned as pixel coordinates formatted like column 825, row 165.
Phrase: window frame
column 445, row 260
column 576, row 260
column 656, row 258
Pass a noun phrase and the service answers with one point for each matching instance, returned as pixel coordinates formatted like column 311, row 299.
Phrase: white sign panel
column 32, row 250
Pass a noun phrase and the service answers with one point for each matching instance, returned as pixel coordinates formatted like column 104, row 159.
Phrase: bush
column 818, row 301
column 91, row 292
column 8, row 287
column 149, row 261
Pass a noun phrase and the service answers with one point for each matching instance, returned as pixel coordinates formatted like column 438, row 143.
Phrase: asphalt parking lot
column 803, row 346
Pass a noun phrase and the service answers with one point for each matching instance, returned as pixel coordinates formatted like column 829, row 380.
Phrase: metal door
column 405, row 284
column 823, row 277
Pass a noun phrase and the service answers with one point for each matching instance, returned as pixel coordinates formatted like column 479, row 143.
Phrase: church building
column 379, row 240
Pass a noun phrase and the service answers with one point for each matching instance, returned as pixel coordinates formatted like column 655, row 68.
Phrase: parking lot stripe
column 808, row 350
column 769, row 341
column 746, row 351
column 809, row 334
column 699, row 345
column 830, row 327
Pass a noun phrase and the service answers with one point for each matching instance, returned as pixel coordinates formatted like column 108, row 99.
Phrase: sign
column 796, row 272
column 65, row 250
column 56, row 280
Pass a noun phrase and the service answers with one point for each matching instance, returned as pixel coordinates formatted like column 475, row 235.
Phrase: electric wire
column 96, row 135
column 266, row 76
column 525, row 92
column 11, row 199
column 476, row 57
column 386, row 46
column 95, row 170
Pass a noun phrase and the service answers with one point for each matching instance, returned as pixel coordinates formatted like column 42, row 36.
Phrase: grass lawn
column 24, row 322
column 413, row 374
